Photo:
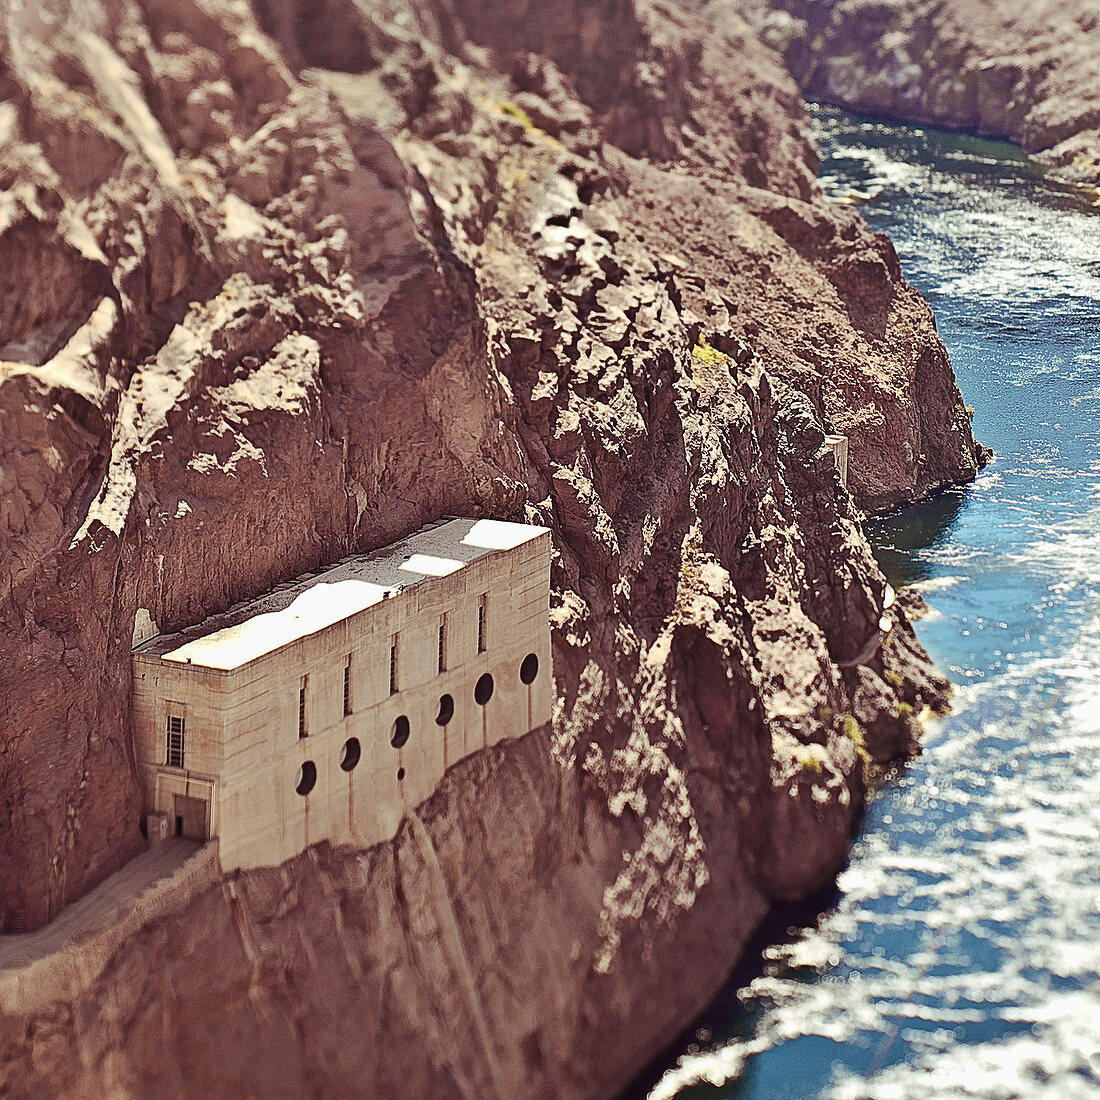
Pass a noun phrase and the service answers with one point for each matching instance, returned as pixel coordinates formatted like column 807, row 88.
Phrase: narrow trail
column 100, row 907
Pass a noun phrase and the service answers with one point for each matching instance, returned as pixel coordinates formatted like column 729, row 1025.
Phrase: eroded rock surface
column 288, row 281
column 1004, row 69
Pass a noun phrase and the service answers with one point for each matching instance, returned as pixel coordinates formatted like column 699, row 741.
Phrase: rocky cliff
column 286, row 281
column 1025, row 72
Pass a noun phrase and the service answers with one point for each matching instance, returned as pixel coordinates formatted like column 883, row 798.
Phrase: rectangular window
column 174, row 755
column 442, row 655
column 347, row 686
column 483, row 623
column 393, row 665
column 302, row 730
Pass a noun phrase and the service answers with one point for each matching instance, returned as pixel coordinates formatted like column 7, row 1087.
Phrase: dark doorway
column 190, row 815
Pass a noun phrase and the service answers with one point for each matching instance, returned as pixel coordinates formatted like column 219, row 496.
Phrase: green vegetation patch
column 851, row 729
column 704, row 353
column 809, row 763
column 854, row 732
column 514, row 110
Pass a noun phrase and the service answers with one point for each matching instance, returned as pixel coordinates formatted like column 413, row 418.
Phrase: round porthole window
column 483, row 690
column 529, row 669
column 306, row 779
column 350, row 753
column 446, row 710
column 399, row 731
column 400, row 774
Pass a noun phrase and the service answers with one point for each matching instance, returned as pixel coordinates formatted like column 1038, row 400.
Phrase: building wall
column 242, row 725
column 838, row 444
column 162, row 688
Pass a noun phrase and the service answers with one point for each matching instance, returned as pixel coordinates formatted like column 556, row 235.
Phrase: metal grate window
column 442, row 656
column 347, row 686
column 483, row 623
column 302, row 730
column 393, row 665
column 173, row 756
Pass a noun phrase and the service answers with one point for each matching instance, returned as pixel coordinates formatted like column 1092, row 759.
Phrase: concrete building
column 324, row 708
column 838, row 444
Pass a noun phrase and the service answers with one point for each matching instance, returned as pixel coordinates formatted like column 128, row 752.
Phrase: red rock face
column 311, row 276
column 1025, row 72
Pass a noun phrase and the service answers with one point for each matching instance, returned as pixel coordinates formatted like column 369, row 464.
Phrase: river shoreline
column 946, row 949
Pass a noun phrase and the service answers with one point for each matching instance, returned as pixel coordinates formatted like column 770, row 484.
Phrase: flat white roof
column 316, row 600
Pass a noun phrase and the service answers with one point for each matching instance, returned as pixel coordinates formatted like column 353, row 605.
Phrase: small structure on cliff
column 324, row 708
column 838, row 444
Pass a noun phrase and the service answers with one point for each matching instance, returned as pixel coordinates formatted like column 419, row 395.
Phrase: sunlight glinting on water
column 962, row 958
column 995, row 869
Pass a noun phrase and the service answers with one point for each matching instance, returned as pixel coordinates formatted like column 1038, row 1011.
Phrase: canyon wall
column 1001, row 69
column 286, row 281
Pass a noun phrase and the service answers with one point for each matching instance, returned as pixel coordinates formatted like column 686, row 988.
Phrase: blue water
column 960, row 956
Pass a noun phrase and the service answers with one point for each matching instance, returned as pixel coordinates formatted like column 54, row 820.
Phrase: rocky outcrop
column 1025, row 72
column 298, row 278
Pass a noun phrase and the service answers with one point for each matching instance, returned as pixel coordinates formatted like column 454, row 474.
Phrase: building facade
column 838, row 445
column 326, row 707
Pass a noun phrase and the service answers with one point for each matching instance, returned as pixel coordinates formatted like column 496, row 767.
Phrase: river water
column 960, row 953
